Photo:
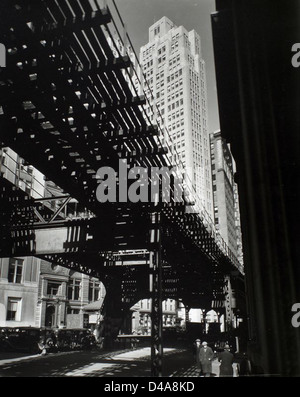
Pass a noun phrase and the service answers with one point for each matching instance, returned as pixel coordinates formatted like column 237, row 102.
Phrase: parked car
column 23, row 339
column 44, row 340
column 4, row 331
column 74, row 338
column 63, row 339
column 47, row 341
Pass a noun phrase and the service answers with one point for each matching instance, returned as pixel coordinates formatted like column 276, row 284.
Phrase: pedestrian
column 226, row 359
column 197, row 347
column 244, row 366
column 206, row 355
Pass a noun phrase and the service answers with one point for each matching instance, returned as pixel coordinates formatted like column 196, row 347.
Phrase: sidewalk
column 11, row 357
column 193, row 371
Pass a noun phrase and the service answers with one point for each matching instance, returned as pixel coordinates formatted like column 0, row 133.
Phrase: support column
column 112, row 312
column 187, row 314
column 155, row 282
column 228, row 303
column 204, row 321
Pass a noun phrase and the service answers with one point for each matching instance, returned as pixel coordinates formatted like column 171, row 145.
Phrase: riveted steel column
column 155, row 282
column 228, row 303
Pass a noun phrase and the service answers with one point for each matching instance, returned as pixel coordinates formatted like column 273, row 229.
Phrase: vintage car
column 23, row 339
column 43, row 340
column 74, row 338
column 48, row 340
column 4, row 331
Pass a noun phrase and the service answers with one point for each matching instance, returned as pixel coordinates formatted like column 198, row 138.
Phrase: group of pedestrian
column 205, row 356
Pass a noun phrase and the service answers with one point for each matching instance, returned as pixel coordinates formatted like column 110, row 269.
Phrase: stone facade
column 37, row 293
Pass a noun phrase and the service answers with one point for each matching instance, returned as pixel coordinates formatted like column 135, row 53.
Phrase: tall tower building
column 175, row 82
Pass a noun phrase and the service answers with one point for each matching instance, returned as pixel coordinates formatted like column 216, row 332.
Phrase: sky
column 139, row 15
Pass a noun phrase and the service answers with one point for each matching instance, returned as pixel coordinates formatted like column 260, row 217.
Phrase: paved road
column 134, row 363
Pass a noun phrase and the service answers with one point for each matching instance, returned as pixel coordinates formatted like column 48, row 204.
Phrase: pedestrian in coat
column 197, row 347
column 244, row 366
column 226, row 359
column 205, row 357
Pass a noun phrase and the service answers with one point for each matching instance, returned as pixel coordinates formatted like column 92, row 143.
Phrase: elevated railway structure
column 69, row 106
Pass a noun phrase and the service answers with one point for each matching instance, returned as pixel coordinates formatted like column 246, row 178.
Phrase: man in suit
column 205, row 357
column 226, row 359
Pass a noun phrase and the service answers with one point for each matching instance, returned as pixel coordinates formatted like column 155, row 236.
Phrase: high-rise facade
column 175, row 83
column 225, row 195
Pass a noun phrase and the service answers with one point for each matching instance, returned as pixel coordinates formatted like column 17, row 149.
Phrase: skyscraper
column 175, row 82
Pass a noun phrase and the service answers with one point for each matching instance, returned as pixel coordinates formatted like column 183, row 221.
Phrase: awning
column 94, row 306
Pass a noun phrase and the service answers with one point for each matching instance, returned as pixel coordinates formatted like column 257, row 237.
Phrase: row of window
column 161, row 59
column 156, row 30
column 191, row 60
column 149, row 50
column 160, row 75
column 175, row 104
column 74, row 289
column 174, row 46
column 167, row 304
column 178, row 124
column 175, row 85
column 174, row 75
column 175, row 115
column 175, row 95
column 174, row 61
column 15, row 276
column 161, row 50
column 14, row 309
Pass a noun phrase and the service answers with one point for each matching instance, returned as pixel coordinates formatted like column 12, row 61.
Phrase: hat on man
column 204, row 343
column 227, row 347
column 198, row 340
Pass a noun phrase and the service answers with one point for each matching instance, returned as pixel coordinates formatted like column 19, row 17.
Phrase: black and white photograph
column 149, row 197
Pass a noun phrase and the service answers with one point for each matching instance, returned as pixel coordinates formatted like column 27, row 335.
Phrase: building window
column 15, row 271
column 13, row 309
column 52, row 288
column 72, row 311
column 74, row 290
column 94, row 291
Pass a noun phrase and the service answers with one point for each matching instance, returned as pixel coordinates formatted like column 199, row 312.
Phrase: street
column 130, row 363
